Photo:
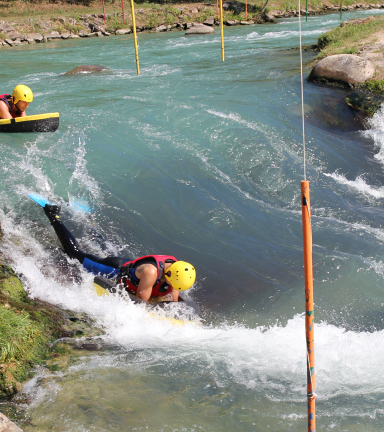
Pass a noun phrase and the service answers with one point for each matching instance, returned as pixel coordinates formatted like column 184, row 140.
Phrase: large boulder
column 200, row 29
column 7, row 425
column 86, row 69
column 345, row 68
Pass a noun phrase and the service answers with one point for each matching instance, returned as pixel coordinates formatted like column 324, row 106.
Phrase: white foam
column 376, row 132
column 359, row 184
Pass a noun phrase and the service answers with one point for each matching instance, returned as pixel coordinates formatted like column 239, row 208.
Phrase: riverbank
column 33, row 333
column 351, row 56
column 25, row 23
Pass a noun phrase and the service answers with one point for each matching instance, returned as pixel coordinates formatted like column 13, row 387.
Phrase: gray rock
column 45, row 25
column 15, row 35
column 53, row 35
column 72, row 21
column 34, row 37
column 245, row 23
column 200, row 29
column 5, row 28
column 7, row 426
column 161, row 28
column 194, row 11
column 95, row 27
column 11, row 42
column 347, row 68
column 231, row 22
column 65, row 35
column 123, row 31
column 209, row 21
column 83, row 33
column 86, row 69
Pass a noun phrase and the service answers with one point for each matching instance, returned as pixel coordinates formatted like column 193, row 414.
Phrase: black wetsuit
column 108, row 267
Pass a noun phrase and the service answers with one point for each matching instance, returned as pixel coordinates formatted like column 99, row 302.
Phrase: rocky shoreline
column 63, row 28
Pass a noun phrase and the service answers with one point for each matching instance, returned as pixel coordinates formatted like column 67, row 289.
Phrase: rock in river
column 86, row 69
column 346, row 68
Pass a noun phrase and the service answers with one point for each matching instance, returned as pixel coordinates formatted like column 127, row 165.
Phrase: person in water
column 15, row 105
column 146, row 277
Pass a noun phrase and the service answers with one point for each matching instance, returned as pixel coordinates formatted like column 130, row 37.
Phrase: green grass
column 376, row 87
column 25, row 330
column 348, row 37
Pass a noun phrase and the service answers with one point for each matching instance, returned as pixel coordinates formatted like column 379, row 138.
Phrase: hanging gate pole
column 122, row 7
column 222, row 30
column 309, row 306
column 135, row 37
column 105, row 21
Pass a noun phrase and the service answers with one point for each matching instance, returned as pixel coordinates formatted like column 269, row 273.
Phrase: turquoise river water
column 202, row 159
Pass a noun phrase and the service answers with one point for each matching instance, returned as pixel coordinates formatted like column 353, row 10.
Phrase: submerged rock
column 344, row 68
column 86, row 69
column 7, row 425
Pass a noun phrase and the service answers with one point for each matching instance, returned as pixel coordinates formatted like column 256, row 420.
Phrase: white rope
column 302, row 89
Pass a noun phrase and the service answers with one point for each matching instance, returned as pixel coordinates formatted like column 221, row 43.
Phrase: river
column 202, row 159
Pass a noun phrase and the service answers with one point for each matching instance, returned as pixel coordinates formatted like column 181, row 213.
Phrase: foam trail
column 359, row 184
column 376, row 132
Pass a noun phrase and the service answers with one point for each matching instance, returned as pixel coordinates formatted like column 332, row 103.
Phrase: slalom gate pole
column 135, row 37
column 222, row 30
column 122, row 7
column 306, row 10
column 246, row 10
column 217, row 8
column 341, row 10
column 105, row 21
column 309, row 306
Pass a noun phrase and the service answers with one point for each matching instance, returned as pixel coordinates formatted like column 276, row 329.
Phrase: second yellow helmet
column 22, row 93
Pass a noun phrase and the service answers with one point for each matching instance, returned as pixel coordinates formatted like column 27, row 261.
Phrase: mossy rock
column 365, row 103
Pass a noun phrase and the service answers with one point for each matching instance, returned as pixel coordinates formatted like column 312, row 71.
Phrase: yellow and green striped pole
column 222, row 30
column 135, row 37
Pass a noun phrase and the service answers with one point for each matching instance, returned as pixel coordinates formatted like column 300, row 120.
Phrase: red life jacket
column 7, row 98
column 131, row 282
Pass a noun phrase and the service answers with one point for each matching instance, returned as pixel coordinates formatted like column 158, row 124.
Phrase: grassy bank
column 27, row 330
column 359, row 37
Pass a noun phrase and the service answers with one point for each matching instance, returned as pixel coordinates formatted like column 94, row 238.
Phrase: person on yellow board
column 14, row 105
column 146, row 277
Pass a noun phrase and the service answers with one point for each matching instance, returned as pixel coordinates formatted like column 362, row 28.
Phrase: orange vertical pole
column 309, row 306
column 122, row 6
column 217, row 9
column 246, row 10
column 105, row 21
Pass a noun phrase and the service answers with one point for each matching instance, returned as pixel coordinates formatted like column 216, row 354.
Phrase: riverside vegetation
column 32, row 332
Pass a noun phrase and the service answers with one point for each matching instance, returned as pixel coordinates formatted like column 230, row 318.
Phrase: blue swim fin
column 39, row 199
column 75, row 204
column 81, row 207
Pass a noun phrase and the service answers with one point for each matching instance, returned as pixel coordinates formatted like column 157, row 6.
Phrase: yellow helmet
column 22, row 93
column 181, row 275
